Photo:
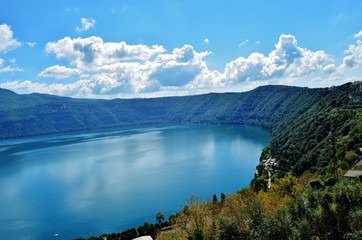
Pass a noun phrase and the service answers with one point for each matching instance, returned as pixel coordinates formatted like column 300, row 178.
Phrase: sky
column 144, row 48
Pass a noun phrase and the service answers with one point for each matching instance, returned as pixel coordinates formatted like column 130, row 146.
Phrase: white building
column 144, row 238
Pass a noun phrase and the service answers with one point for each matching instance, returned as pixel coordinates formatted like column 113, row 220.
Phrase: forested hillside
column 272, row 107
column 305, row 122
column 326, row 136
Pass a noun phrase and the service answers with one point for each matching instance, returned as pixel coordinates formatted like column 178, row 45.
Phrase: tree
column 223, row 196
column 160, row 217
column 172, row 219
column 214, row 199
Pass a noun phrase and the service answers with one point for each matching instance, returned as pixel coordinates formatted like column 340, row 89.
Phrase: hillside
column 331, row 130
column 272, row 107
column 303, row 121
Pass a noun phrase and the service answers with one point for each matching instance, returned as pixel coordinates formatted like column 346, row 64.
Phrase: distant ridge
column 34, row 114
column 6, row 93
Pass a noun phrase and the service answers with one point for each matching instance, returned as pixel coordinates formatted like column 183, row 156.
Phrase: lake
column 89, row 183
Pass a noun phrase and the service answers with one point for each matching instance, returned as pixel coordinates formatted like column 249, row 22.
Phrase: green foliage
column 321, row 139
column 316, row 184
column 302, row 120
column 259, row 183
column 272, row 107
column 330, row 212
column 147, row 229
column 333, row 211
column 197, row 234
column 160, row 217
column 172, row 219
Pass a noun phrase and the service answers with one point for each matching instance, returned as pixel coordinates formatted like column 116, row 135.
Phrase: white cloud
column 350, row 61
column 7, row 42
column 118, row 69
column 179, row 68
column 71, row 10
column 330, row 68
column 59, row 72
column 31, row 44
column 355, row 55
column 287, row 60
column 358, row 35
column 243, row 42
column 87, row 23
column 85, row 53
column 7, row 69
column 206, row 40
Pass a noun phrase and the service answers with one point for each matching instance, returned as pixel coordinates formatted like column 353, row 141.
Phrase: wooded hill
column 303, row 121
column 272, row 107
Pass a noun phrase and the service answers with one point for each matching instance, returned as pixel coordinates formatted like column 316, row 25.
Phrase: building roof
column 143, row 238
column 353, row 173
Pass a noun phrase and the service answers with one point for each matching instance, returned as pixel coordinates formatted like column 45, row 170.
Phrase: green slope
column 24, row 115
column 330, row 130
column 303, row 121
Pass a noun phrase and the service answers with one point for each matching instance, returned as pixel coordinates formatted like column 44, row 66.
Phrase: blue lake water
column 89, row 183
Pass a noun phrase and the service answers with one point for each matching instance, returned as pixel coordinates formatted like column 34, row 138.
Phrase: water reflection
column 89, row 183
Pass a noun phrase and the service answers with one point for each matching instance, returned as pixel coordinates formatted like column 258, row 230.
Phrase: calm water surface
column 90, row 183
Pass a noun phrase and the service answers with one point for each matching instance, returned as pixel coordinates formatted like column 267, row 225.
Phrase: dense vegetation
column 272, row 107
column 291, row 209
column 324, row 138
column 304, row 122
column 316, row 134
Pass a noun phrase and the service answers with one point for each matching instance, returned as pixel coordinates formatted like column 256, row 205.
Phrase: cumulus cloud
column 354, row 54
column 93, row 52
column 87, row 23
column 287, row 60
column 354, row 57
column 118, row 68
column 59, row 72
column 206, row 40
column 179, row 68
column 7, row 42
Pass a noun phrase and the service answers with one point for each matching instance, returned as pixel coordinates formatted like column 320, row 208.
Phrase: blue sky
column 142, row 48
